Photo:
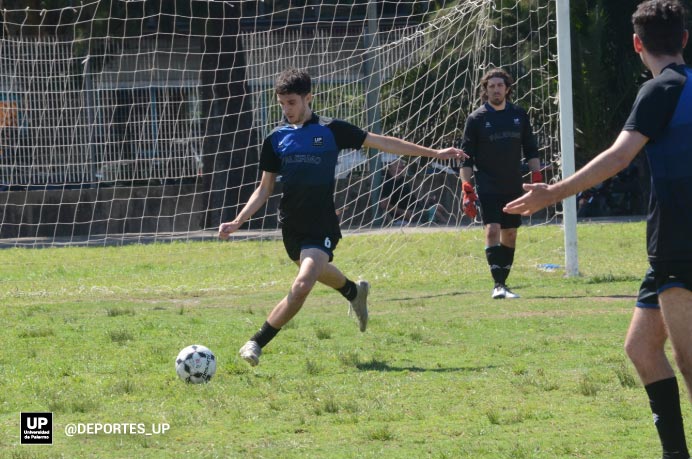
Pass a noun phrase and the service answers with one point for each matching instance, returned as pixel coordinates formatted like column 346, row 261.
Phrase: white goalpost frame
column 569, row 207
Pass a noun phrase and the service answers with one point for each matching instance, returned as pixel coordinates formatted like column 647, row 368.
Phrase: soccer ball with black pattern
column 195, row 364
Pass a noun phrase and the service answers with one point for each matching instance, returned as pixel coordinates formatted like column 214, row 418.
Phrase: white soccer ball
column 195, row 364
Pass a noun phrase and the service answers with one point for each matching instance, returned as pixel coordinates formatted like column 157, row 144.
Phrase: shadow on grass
column 380, row 365
column 517, row 289
column 562, row 297
column 425, row 297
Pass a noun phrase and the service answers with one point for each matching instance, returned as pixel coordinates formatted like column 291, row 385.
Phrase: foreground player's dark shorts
column 295, row 241
column 660, row 278
column 648, row 298
column 671, row 275
column 491, row 210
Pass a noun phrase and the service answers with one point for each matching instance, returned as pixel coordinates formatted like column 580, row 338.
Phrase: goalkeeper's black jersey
column 495, row 142
column 663, row 113
column 306, row 157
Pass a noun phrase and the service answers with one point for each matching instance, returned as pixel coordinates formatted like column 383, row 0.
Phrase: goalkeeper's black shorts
column 491, row 210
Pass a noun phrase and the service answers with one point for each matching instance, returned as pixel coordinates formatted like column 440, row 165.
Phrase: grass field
column 443, row 371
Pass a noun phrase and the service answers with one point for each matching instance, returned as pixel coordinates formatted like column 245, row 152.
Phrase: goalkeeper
column 495, row 137
column 303, row 150
column 660, row 122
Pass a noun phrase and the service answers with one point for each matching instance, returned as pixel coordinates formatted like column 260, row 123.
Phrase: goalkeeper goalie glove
column 536, row 177
column 469, row 199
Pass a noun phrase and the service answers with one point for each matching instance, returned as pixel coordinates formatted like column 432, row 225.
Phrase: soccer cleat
column 499, row 292
column 250, row 352
column 510, row 294
column 359, row 304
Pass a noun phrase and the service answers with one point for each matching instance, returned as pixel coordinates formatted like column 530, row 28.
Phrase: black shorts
column 294, row 242
column 660, row 278
column 491, row 210
column 648, row 297
column 669, row 275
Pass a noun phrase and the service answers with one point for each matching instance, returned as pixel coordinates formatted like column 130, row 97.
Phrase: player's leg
column 647, row 335
column 508, row 242
column 493, row 255
column 645, row 346
column 312, row 263
column 676, row 305
column 509, row 225
column 491, row 213
column 508, row 237
column 355, row 292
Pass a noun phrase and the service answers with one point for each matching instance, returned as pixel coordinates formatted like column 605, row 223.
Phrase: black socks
column 664, row 399
column 500, row 259
column 349, row 290
column 265, row 334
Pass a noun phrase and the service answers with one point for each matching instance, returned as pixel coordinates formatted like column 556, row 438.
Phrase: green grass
column 442, row 372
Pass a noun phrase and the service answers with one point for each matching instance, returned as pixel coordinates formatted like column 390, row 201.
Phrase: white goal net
column 142, row 120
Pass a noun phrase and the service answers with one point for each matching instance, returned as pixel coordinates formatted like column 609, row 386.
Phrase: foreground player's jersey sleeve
column 656, row 103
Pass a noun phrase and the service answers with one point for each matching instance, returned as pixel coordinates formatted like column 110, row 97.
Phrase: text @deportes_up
column 116, row 428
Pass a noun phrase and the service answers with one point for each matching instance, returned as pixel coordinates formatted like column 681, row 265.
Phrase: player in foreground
column 495, row 137
column 303, row 149
column 660, row 122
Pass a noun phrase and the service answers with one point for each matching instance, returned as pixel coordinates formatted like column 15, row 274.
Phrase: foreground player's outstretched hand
column 227, row 228
column 451, row 153
column 538, row 196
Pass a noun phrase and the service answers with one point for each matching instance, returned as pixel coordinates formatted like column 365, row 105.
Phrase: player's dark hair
column 660, row 24
column 495, row 73
column 293, row 81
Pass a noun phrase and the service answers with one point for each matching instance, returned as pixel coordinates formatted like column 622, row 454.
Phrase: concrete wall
column 89, row 212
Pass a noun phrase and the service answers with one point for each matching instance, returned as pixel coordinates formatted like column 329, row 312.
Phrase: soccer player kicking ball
column 660, row 122
column 303, row 149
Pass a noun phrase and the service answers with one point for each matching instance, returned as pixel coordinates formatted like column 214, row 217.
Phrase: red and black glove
column 536, row 177
column 469, row 199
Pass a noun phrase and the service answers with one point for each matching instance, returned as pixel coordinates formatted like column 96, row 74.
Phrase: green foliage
column 606, row 72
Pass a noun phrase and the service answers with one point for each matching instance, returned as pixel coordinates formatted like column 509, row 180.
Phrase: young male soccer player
column 303, row 149
column 495, row 137
column 660, row 122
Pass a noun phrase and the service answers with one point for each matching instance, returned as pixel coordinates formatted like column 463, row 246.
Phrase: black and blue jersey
column 306, row 156
column 495, row 142
column 663, row 113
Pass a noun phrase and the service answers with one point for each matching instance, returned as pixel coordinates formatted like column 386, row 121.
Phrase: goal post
column 133, row 120
column 569, row 205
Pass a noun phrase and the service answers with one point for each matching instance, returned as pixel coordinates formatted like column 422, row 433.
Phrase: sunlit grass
column 443, row 371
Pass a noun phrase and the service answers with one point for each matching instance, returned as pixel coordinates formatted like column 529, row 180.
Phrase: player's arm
column 535, row 168
column 404, row 148
column 469, row 143
column 466, row 174
column 530, row 149
column 259, row 197
column 602, row 167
